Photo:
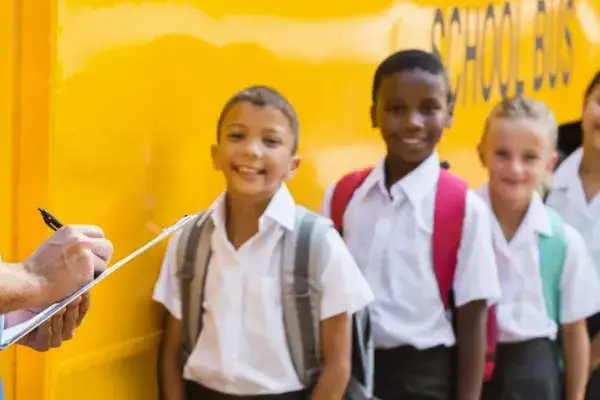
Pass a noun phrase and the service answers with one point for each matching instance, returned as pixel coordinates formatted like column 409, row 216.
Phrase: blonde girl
column 547, row 278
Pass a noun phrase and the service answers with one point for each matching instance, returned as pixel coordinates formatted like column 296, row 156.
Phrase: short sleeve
column 345, row 290
column 166, row 288
column 476, row 276
column 580, row 284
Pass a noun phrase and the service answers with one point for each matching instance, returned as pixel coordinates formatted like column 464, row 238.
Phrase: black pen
column 49, row 219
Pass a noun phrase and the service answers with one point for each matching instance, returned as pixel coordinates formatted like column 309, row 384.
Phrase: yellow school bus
column 108, row 109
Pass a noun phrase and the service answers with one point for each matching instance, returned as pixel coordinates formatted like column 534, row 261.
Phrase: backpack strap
column 449, row 214
column 193, row 254
column 450, row 208
column 342, row 193
column 305, row 255
column 553, row 251
column 360, row 385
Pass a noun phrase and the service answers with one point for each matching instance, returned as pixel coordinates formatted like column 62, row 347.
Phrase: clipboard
column 15, row 333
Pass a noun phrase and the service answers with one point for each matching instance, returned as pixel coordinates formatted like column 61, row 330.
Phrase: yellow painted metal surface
column 116, row 104
column 8, row 62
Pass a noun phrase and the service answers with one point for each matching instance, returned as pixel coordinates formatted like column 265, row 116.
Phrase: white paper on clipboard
column 15, row 333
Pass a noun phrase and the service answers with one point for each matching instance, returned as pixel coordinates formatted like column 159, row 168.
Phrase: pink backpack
column 450, row 203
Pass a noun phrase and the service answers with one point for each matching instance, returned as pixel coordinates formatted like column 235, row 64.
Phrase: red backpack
column 450, row 203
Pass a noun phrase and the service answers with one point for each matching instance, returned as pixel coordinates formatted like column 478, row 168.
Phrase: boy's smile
column 412, row 111
column 248, row 173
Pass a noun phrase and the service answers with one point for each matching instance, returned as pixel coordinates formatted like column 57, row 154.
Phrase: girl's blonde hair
column 524, row 108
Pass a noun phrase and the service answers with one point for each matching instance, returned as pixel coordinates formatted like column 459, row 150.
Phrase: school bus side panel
column 545, row 49
column 8, row 39
column 127, row 118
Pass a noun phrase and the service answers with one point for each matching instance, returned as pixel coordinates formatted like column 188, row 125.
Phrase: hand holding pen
column 61, row 265
column 55, row 225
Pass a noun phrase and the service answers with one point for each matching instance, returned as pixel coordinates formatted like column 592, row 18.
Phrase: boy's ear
column 293, row 167
column 214, row 154
column 449, row 120
column 374, row 116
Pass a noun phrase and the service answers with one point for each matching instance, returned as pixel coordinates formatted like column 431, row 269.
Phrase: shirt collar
column 536, row 217
column 568, row 171
column 281, row 210
column 415, row 186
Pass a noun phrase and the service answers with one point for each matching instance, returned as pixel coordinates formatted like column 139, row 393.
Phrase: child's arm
column 471, row 347
column 476, row 286
column 336, row 344
column 579, row 299
column 345, row 292
column 576, row 351
column 171, row 374
column 166, row 292
column 593, row 326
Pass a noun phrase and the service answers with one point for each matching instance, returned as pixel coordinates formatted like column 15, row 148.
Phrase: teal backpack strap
column 553, row 251
column 304, row 258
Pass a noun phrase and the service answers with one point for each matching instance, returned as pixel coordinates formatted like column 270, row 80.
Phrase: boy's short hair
column 263, row 96
column 410, row 60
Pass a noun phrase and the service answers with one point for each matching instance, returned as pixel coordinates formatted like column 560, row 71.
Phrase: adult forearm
column 19, row 289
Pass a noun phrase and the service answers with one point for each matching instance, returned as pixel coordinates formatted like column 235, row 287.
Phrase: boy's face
column 255, row 152
column 412, row 111
column 591, row 120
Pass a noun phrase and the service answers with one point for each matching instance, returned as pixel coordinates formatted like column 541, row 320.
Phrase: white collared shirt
column 569, row 199
column 390, row 236
column 522, row 312
column 242, row 349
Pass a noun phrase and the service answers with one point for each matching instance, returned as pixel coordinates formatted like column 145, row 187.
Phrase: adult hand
column 60, row 328
column 67, row 261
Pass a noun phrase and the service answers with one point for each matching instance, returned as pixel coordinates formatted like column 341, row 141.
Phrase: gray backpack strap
column 193, row 254
column 361, row 382
column 304, row 258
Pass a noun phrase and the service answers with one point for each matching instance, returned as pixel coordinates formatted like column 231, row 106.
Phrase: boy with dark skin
column 412, row 110
column 388, row 228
